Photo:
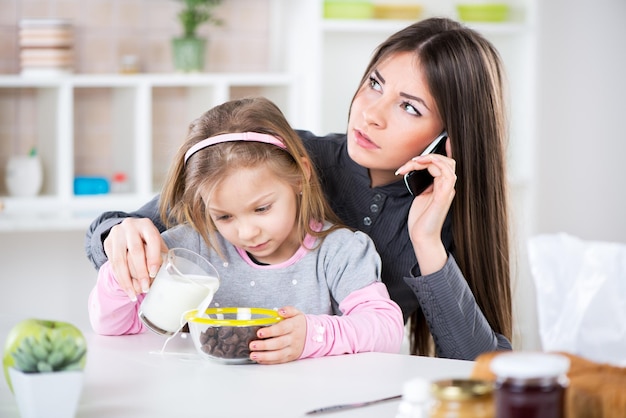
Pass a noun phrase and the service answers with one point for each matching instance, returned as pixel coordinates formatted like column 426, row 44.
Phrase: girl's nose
column 247, row 230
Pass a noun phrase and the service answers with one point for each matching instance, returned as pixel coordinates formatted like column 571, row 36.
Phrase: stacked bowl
column 46, row 46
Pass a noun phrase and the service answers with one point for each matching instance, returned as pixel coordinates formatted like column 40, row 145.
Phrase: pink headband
column 239, row 136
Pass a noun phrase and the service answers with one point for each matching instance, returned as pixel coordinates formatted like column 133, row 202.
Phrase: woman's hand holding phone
column 431, row 206
column 418, row 180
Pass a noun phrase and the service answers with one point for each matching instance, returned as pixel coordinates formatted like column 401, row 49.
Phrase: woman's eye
column 409, row 108
column 374, row 84
column 221, row 218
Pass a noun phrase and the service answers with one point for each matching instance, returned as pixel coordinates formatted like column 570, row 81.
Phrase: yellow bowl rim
column 272, row 317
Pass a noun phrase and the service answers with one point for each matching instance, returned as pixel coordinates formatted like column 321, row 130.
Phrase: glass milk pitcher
column 184, row 282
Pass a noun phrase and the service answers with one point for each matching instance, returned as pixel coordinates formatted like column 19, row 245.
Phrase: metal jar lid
column 529, row 365
column 461, row 389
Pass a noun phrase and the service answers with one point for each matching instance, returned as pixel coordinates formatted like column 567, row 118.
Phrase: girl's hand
column 429, row 209
column 282, row 342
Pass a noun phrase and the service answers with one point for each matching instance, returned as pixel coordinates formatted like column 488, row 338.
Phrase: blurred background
column 565, row 58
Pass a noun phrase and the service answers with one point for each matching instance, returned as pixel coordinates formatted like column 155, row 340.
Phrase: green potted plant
column 188, row 50
column 43, row 364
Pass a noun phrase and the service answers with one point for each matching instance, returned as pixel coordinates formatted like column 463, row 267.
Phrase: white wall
column 580, row 145
column 581, row 142
column 45, row 275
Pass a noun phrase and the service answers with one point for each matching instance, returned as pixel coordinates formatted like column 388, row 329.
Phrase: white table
column 127, row 377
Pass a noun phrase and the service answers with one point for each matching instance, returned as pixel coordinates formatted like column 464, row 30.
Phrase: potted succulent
column 188, row 49
column 43, row 365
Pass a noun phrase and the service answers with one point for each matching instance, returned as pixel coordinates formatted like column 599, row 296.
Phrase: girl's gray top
column 314, row 281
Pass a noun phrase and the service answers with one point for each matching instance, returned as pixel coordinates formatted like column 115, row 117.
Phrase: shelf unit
column 130, row 129
column 317, row 64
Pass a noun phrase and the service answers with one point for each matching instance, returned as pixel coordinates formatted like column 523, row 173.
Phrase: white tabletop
column 127, row 377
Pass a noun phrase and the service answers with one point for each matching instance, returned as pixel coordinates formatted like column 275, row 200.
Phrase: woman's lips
column 363, row 141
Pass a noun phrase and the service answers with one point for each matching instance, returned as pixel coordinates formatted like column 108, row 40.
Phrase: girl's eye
column 221, row 218
column 262, row 209
column 374, row 84
column 409, row 108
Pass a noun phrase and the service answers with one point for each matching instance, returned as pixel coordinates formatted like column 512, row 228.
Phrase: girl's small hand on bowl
column 282, row 342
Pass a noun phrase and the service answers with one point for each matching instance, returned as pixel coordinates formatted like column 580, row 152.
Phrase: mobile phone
column 418, row 180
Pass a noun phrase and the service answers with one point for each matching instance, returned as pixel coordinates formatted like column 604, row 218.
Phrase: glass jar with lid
column 530, row 384
column 462, row 398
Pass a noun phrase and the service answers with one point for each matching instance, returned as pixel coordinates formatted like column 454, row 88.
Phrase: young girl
column 243, row 194
column 445, row 253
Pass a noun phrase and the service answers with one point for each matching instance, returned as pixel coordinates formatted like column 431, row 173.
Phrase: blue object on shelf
column 90, row 185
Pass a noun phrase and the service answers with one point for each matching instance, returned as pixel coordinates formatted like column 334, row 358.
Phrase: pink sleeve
column 371, row 321
column 111, row 312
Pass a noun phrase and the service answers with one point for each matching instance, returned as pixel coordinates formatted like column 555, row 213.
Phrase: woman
column 445, row 252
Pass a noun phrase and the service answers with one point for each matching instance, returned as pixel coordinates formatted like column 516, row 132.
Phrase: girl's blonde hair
column 190, row 183
column 465, row 76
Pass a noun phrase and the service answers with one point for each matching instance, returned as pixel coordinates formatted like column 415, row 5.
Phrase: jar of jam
column 462, row 398
column 530, row 385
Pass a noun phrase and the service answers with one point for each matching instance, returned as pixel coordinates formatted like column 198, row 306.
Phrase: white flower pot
column 24, row 175
column 47, row 395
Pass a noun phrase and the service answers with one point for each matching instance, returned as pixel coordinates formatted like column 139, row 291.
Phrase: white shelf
column 155, row 80
column 49, row 213
column 387, row 27
column 131, row 101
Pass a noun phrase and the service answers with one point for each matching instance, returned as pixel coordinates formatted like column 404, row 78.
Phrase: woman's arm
column 459, row 328
column 101, row 226
column 111, row 311
column 371, row 321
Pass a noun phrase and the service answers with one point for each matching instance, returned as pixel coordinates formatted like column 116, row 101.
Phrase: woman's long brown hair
column 466, row 79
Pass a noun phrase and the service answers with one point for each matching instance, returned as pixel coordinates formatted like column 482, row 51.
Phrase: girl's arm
column 459, row 328
column 371, row 321
column 111, row 312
